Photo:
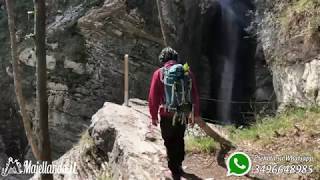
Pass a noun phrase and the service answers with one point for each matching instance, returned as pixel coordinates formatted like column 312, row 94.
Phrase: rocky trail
column 115, row 146
column 205, row 166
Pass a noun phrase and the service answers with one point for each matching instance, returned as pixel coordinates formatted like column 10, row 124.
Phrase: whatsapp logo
column 238, row 164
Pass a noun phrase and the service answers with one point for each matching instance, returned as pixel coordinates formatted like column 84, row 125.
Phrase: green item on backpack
column 177, row 87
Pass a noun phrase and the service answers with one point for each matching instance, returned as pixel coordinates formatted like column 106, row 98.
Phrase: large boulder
column 116, row 147
column 120, row 132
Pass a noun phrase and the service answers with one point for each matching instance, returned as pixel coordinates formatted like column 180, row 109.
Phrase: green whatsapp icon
column 238, row 164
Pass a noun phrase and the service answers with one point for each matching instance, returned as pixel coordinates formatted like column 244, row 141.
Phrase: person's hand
column 191, row 120
column 199, row 121
column 155, row 122
column 150, row 136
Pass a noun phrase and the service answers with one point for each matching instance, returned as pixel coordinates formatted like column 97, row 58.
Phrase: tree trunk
column 42, row 98
column 27, row 123
column 214, row 133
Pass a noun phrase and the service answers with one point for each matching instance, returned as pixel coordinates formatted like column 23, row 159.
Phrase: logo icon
column 12, row 167
column 238, row 164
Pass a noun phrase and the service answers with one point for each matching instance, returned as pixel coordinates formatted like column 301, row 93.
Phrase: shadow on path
column 191, row 176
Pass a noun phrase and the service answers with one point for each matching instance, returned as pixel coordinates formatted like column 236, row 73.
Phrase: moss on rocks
column 301, row 13
column 290, row 31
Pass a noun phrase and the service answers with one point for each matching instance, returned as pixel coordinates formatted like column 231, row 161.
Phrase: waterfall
column 229, row 57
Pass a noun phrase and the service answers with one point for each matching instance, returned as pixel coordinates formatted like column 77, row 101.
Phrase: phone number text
column 282, row 169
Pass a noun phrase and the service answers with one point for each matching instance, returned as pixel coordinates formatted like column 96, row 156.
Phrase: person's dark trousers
column 173, row 136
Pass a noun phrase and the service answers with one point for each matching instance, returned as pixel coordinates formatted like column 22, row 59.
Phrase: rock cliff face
column 86, row 43
column 87, row 48
column 3, row 155
column 290, row 36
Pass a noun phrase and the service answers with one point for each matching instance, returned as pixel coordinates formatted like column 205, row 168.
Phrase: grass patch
column 86, row 142
column 304, row 5
column 104, row 176
column 94, row 157
column 264, row 133
column 267, row 127
column 200, row 144
column 308, row 9
column 316, row 162
column 299, row 6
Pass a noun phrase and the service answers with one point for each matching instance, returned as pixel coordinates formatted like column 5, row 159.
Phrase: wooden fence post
column 126, row 80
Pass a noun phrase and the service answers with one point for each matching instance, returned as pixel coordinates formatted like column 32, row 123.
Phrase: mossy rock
column 300, row 16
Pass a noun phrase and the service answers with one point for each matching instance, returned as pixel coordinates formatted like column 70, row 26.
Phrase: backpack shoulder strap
column 162, row 69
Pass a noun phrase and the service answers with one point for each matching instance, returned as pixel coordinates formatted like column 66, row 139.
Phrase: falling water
column 230, row 28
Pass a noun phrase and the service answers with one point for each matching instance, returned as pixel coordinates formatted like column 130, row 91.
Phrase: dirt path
column 205, row 166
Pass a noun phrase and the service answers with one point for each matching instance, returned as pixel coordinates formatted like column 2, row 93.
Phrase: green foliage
column 200, row 144
column 264, row 132
column 90, row 152
column 304, row 5
column 316, row 156
column 306, row 9
column 105, row 176
column 266, row 127
column 86, row 142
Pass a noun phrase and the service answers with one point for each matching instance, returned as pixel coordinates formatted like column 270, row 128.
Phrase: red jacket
column 156, row 94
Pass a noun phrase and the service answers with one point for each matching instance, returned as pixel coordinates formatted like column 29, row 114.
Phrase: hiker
column 173, row 116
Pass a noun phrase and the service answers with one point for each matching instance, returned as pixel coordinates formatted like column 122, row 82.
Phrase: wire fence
column 236, row 102
column 252, row 108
